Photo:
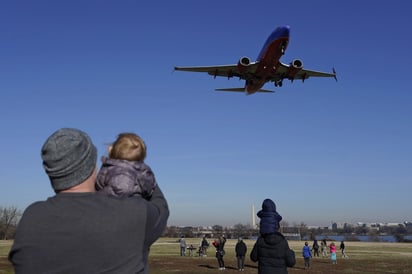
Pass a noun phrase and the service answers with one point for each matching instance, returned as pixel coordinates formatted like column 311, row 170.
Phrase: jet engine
column 243, row 64
column 295, row 66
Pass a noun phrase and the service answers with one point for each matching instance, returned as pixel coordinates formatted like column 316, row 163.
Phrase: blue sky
column 322, row 150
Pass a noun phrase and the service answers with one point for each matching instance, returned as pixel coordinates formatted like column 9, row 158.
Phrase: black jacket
column 240, row 249
column 273, row 254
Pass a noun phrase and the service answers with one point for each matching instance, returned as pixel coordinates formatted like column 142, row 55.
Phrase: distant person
column 77, row 231
column 182, row 242
column 240, row 250
column 124, row 172
column 204, row 246
column 219, row 244
column 271, row 249
column 307, row 255
column 324, row 247
column 315, row 248
column 200, row 251
column 342, row 249
column 191, row 248
column 332, row 250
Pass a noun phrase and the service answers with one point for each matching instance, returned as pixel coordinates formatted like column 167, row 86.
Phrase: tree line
column 9, row 217
column 247, row 231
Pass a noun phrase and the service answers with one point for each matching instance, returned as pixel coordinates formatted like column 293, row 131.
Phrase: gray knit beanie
column 69, row 158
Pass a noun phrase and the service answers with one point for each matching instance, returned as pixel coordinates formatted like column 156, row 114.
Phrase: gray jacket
column 86, row 233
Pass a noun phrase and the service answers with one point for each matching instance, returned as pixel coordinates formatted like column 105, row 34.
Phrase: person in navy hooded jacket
column 271, row 249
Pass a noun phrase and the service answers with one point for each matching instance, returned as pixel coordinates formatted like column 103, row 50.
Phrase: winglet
column 334, row 74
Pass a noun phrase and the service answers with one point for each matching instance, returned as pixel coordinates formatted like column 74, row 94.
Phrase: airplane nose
column 284, row 31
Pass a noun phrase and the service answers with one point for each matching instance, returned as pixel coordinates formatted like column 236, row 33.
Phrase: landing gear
column 249, row 82
column 278, row 83
column 283, row 47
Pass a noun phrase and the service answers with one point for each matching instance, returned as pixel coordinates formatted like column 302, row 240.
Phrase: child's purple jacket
column 125, row 178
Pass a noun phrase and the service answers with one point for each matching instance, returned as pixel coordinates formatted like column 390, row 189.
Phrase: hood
column 269, row 217
column 268, row 206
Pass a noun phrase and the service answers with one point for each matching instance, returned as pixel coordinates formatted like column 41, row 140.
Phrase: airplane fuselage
column 268, row 58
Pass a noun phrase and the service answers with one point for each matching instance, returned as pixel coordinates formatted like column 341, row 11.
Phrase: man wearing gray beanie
column 77, row 231
column 69, row 158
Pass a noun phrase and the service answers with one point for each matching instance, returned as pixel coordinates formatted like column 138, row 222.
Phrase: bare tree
column 283, row 224
column 239, row 230
column 9, row 216
column 303, row 229
column 218, row 229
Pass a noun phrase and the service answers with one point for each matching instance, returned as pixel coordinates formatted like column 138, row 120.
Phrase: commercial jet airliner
column 267, row 67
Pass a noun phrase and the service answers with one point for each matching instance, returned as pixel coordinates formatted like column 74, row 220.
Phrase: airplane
column 266, row 68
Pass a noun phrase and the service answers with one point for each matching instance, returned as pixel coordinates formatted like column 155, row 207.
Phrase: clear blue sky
column 322, row 150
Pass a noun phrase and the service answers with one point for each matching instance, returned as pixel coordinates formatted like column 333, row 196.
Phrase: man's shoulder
column 38, row 205
column 99, row 200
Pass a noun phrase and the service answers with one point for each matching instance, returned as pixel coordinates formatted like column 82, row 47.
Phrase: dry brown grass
column 364, row 258
column 5, row 267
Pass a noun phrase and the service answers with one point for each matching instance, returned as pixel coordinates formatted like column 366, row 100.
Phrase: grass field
column 364, row 257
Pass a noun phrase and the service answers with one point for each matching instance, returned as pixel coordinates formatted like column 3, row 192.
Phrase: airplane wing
column 222, row 70
column 242, row 90
column 303, row 74
column 233, row 71
column 227, row 71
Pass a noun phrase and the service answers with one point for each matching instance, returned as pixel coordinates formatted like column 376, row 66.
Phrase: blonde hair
column 128, row 146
